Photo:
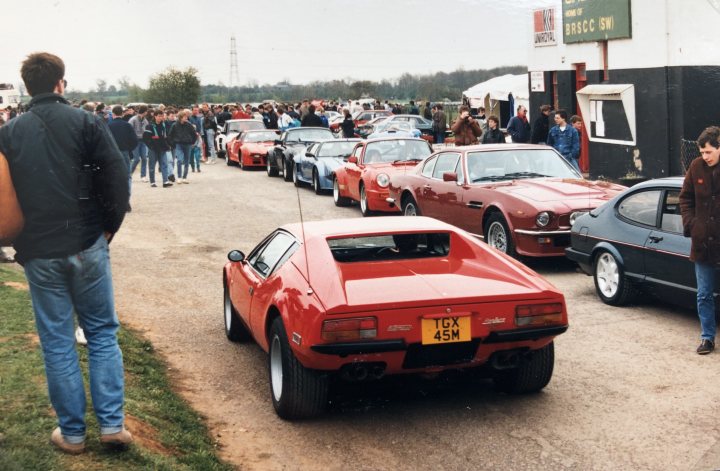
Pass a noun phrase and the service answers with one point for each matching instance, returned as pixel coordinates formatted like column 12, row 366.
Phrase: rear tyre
column 287, row 170
column 611, row 284
column 364, row 208
column 229, row 162
column 497, row 234
column 410, row 207
column 316, row 182
column 240, row 162
column 337, row 199
column 235, row 331
column 271, row 171
column 297, row 392
column 533, row 374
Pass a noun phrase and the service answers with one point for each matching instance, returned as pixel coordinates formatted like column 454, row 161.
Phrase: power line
column 234, row 72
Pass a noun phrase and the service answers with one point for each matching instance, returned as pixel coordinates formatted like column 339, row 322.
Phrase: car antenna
column 302, row 230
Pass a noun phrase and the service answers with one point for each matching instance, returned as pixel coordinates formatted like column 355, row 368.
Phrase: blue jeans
column 128, row 158
column 79, row 284
column 140, row 153
column 574, row 162
column 440, row 137
column 183, row 153
column 161, row 161
column 705, row 275
column 196, row 156
column 210, row 142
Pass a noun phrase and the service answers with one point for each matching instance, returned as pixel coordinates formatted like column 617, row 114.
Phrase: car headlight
column 575, row 215
column 542, row 219
column 383, row 180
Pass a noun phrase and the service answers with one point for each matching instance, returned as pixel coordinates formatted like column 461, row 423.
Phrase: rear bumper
column 361, row 348
column 584, row 260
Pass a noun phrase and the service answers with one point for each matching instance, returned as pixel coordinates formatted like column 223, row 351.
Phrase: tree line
column 183, row 87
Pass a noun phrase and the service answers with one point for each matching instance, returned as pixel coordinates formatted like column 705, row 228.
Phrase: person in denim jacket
column 564, row 138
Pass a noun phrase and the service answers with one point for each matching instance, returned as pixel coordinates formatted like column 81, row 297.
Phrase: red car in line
column 521, row 198
column 250, row 148
column 366, row 174
column 358, row 299
column 360, row 118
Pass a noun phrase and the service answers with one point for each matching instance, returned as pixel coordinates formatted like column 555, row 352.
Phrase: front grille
column 422, row 356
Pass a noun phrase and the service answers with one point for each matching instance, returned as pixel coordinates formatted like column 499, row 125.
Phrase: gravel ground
column 628, row 391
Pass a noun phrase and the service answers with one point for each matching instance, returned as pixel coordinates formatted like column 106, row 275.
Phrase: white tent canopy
column 498, row 88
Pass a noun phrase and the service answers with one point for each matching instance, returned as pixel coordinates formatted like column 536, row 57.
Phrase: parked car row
column 371, row 297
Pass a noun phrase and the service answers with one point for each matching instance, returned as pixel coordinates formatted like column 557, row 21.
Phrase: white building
column 651, row 83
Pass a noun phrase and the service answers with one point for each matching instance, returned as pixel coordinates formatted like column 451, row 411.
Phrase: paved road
column 628, row 390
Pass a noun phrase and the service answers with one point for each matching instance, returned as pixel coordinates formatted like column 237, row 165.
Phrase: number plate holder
column 446, row 329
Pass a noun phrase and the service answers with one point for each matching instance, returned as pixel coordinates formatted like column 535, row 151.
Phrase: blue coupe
column 318, row 164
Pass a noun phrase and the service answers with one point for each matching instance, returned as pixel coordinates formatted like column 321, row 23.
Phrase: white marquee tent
column 496, row 89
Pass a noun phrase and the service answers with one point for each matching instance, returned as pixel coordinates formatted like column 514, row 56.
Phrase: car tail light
column 358, row 328
column 538, row 314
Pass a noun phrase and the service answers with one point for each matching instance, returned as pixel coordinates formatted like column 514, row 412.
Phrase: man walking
column 64, row 247
column 564, row 138
column 155, row 137
column 700, row 211
column 139, row 122
column 125, row 139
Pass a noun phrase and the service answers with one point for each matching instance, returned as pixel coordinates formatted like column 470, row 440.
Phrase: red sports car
column 358, row 299
column 360, row 118
column 250, row 148
column 521, row 198
column 366, row 174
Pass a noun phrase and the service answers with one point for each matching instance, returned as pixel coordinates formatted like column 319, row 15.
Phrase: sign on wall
column 537, row 81
column 544, row 27
column 595, row 20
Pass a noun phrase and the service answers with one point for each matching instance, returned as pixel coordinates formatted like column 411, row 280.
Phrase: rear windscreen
column 390, row 247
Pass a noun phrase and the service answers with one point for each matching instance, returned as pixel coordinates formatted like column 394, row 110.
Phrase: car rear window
column 390, row 247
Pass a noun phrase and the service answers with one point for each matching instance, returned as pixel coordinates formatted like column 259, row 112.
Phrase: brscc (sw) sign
column 595, row 20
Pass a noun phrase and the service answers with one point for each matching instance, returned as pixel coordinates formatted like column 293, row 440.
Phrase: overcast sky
column 295, row 40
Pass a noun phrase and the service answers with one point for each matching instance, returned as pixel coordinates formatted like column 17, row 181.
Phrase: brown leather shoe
column 58, row 440
column 121, row 438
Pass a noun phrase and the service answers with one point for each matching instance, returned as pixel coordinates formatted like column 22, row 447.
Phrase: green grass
column 169, row 434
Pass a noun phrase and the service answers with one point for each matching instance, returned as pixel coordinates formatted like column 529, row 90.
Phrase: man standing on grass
column 64, row 247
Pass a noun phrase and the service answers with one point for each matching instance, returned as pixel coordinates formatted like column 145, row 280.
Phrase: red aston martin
column 521, row 198
column 362, row 298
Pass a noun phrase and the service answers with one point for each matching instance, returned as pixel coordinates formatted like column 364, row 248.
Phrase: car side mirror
column 278, row 142
column 352, row 159
column 236, row 256
column 450, row 177
column 309, row 154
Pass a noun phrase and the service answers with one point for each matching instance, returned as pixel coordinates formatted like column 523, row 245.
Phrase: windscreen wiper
column 490, row 178
column 525, row 175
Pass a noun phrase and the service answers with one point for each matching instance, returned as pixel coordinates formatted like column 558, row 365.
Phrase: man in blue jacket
column 518, row 127
column 70, row 217
column 564, row 138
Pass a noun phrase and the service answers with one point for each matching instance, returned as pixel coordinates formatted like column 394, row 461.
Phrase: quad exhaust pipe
column 358, row 372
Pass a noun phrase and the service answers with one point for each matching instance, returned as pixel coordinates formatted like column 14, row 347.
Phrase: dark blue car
column 635, row 242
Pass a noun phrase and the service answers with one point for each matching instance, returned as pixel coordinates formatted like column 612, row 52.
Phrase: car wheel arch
column 489, row 211
column 272, row 314
column 606, row 246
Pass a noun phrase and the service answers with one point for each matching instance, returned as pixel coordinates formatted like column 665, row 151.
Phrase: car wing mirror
column 450, row 177
column 352, row 159
column 236, row 256
column 278, row 142
column 309, row 154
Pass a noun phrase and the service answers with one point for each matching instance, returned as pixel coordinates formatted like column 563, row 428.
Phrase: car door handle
column 655, row 239
column 427, row 186
column 251, row 290
column 475, row 204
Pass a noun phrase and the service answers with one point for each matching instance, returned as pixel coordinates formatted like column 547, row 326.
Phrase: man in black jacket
column 155, row 137
column 541, row 126
column 58, row 155
column 125, row 139
column 311, row 119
